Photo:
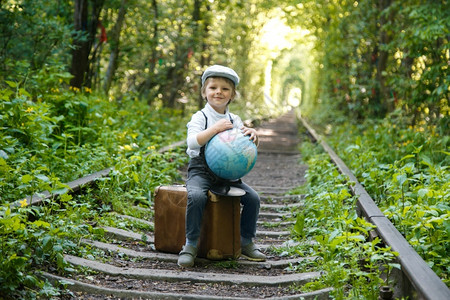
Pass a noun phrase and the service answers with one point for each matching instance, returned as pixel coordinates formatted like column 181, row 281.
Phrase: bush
column 405, row 170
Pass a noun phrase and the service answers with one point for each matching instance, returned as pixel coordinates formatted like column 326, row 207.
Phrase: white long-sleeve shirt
column 197, row 124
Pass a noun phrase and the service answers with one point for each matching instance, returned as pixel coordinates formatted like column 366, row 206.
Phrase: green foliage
column 54, row 135
column 34, row 33
column 67, row 129
column 367, row 61
column 28, row 244
column 158, row 53
column 375, row 57
column 351, row 260
column 135, row 177
column 227, row 264
column 405, row 170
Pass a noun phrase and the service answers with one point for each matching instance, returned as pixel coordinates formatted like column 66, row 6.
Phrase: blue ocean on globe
column 230, row 154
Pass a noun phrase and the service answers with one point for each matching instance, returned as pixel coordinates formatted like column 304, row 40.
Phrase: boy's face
column 218, row 92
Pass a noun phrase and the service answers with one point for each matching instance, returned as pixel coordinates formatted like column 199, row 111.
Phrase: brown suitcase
column 220, row 233
column 170, row 216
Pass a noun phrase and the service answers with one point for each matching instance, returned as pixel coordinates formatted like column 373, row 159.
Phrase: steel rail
column 425, row 282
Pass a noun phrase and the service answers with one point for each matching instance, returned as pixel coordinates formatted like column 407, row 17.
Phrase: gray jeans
column 199, row 181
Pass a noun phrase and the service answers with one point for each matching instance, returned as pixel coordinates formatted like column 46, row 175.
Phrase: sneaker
column 252, row 253
column 187, row 256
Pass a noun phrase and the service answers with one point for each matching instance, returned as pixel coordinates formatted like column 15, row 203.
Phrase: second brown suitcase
column 170, row 215
column 220, row 233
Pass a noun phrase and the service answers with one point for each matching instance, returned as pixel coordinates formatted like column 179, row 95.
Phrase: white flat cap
column 220, row 71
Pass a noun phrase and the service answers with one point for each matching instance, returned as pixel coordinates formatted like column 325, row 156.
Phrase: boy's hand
column 250, row 132
column 204, row 136
column 222, row 125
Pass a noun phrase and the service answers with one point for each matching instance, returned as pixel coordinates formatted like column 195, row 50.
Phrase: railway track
column 128, row 266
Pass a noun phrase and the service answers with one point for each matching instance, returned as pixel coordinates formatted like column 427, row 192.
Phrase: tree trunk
column 80, row 53
column 205, row 58
column 176, row 76
column 114, row 42
column 80, row 67
column 149, row 81
column 384, row 39
column 173, row 76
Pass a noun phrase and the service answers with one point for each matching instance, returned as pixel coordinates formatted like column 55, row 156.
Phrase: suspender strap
column 206, row 119
column 202, row 149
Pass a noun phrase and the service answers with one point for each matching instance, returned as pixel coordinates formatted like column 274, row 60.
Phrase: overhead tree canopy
column 365, row 59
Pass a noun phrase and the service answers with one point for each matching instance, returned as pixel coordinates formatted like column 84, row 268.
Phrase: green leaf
column 3, row 154
column 447, row 225
column 407, row 156
column 299, row 226
column 401, row 179
column 426, row 161
column 22, row 91
column 11, row 83
column 422, row 192
column 26, row 178
column 42, row 177
column 40, row 223
column 46, row 241
column 65, row 197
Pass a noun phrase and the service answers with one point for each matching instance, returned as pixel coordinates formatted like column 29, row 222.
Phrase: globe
column 230, row 155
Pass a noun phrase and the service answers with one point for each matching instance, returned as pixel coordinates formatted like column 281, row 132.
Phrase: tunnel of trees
column 90, row 84
column 366, row 58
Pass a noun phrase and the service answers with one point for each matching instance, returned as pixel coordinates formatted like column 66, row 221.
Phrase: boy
column 219, row 89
